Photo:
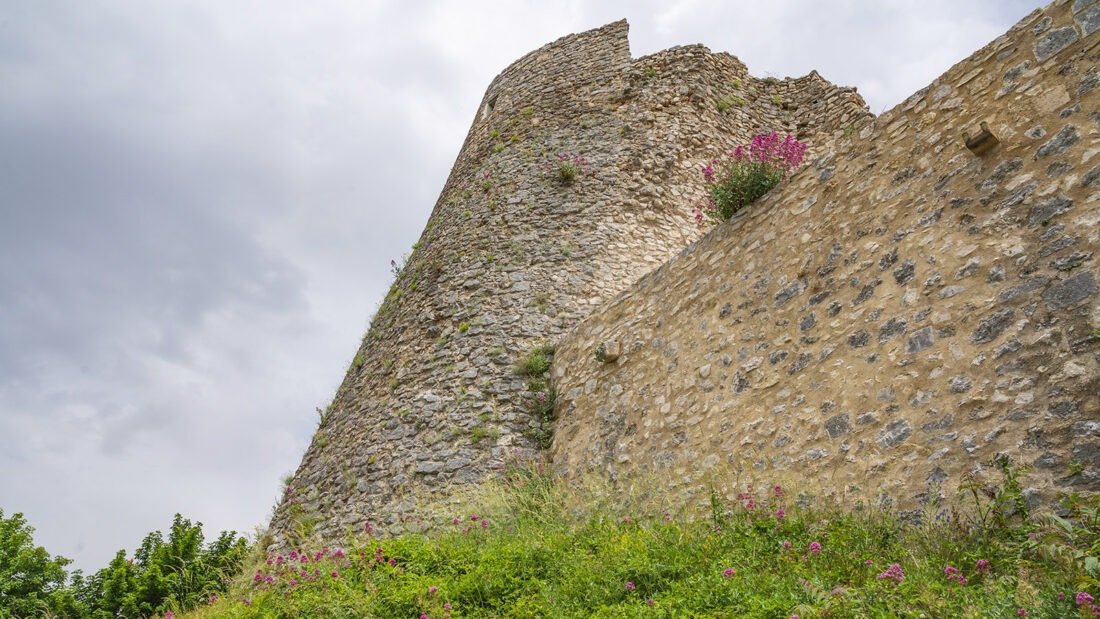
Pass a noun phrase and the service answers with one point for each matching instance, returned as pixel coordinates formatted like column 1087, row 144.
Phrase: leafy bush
column 747, row 174
column 164, row 576
column 30, row 580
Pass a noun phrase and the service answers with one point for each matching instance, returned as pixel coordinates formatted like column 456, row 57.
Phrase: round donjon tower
column 516, row 252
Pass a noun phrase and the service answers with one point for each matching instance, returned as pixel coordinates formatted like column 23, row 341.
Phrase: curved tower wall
column 511, row 258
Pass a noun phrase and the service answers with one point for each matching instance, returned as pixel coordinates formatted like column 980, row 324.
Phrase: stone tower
column 512, row 257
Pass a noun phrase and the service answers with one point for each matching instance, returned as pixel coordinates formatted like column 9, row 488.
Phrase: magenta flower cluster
column 892, row 573
column 287, row 572
column 953, row 573
column 746, row 174
column 476, row 521
column 1087, row 603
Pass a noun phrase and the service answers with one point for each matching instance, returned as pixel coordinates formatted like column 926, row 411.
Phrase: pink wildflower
column 893, row 573
column 815, row 548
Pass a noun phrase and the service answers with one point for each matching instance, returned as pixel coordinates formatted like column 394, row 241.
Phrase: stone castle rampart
column 512, row 257
column 898, row 314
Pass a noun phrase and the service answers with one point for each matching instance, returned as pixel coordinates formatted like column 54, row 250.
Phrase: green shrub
column 536, row 362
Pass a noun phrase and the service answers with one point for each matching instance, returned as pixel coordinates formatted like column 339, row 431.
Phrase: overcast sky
column 199, row 201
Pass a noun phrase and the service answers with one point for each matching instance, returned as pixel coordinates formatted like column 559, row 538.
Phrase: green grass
column 536, row 362
column 536, row 547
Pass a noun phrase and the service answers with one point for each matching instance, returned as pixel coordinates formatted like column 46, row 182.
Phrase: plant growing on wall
column 539, row 399
column 746, row 174
column 567, row 168
column 601, row 352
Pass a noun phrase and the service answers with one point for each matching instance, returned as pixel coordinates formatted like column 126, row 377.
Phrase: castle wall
column 511, row 258
column 898, row 313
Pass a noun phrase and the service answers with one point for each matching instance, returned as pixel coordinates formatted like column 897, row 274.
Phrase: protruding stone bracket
column 983, row 142
column 607, row 352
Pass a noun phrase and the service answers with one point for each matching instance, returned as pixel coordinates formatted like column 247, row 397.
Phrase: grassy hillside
column 536, row 547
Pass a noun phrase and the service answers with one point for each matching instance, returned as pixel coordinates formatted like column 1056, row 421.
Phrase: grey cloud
column 198, row 205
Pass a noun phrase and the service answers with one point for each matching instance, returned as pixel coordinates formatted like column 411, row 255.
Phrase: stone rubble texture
column 900, row 310
column 898, row 314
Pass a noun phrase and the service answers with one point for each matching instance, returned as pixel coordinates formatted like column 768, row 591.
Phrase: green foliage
column 540, row 547
column 601, row 352
column 537, row 362
column 176, row 574
column 567, row 168
column 31, row 582
column 538, row 402
column 481, row 433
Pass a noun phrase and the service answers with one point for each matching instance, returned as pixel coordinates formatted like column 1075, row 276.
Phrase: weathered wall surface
column 899, row 312
column 510, row 258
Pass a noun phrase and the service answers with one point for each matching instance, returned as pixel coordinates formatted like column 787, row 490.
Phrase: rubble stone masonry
column 903, row 309
column 898, row 314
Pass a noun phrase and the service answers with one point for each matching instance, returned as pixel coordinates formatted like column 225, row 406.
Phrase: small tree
column 31, row 582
